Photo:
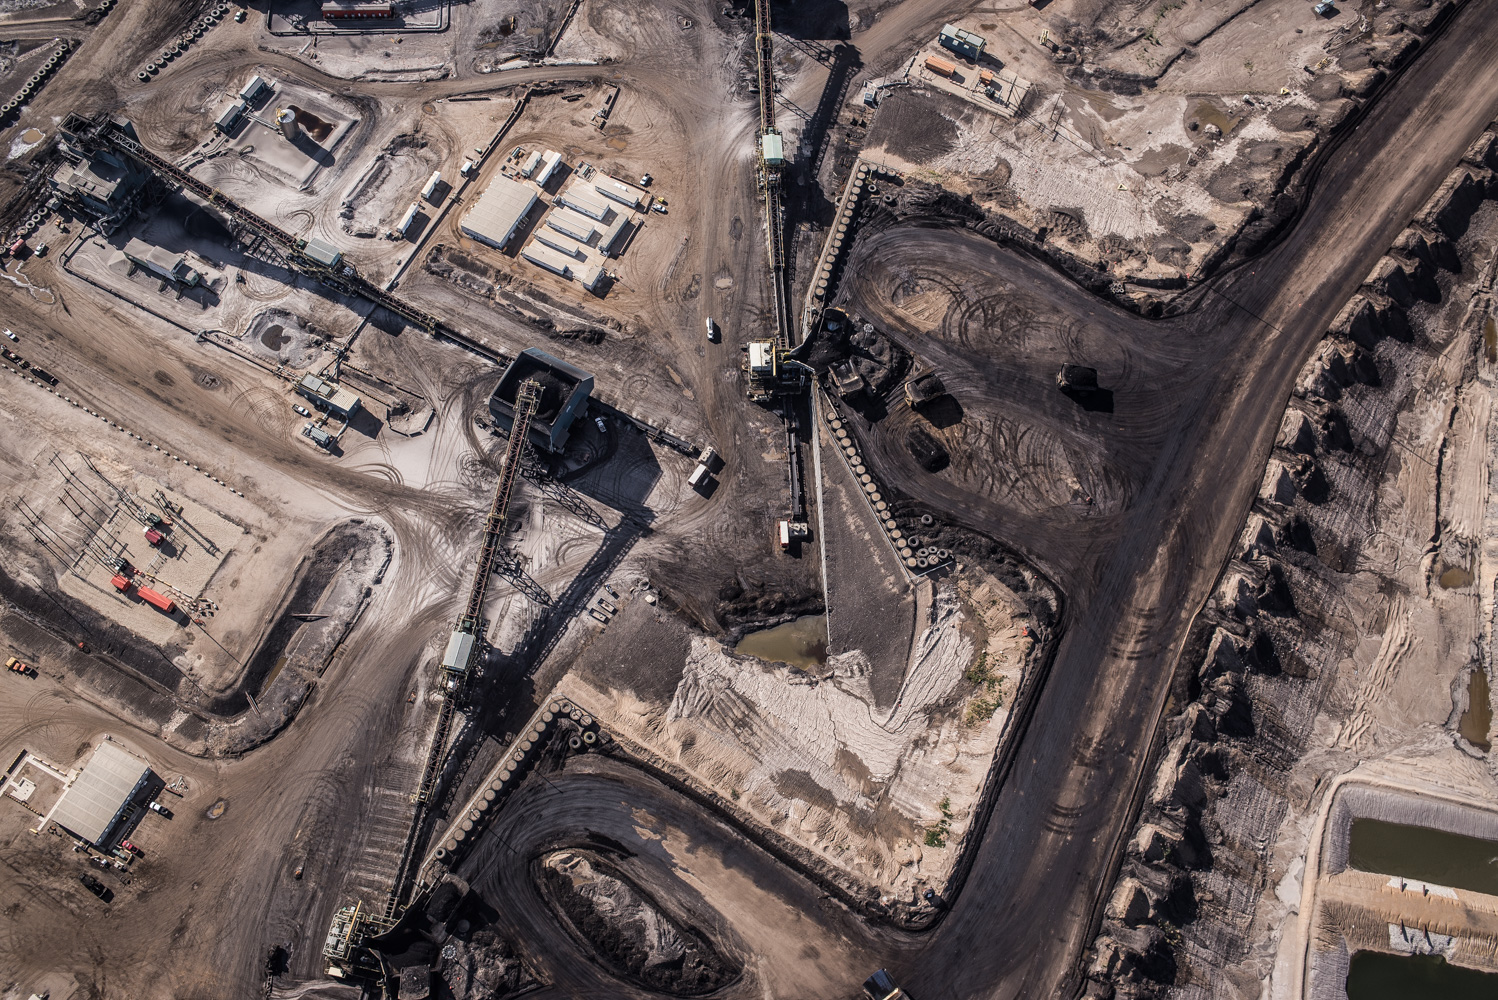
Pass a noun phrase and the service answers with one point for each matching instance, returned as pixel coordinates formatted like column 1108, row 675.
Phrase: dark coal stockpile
column 630, row 932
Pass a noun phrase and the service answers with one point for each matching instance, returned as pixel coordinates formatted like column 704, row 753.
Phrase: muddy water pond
column 1428, row 855
column 1478, row 718
column 1455, row 576
column 801, row 643
column 1376, row 976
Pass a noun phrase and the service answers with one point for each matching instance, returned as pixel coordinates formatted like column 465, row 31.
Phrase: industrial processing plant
column 873, row 499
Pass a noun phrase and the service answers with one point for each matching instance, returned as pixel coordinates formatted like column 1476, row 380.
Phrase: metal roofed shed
column 772, row 149
column 112, row 783
column 229, row 116
column 328, row 395
column 459, row 652
column 499, row 211
column 253, row 89
column 564, row 395
column 961, row 41
column 323, row 252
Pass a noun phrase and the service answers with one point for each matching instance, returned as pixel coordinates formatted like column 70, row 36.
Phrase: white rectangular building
column 499, row 211
column 588, row 276
column 549, row 164
column 578, row 198
column 563, row 244
column 544, row 256
column 531, row 163
column 566, row 221
column 607, row 243
column 93, row 806
column 616, row 190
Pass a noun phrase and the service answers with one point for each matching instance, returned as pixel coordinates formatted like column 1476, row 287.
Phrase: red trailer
column 158, row 600
column 121, row 582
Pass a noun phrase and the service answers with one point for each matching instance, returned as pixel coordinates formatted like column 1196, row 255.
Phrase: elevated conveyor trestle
column 764, row 47
column 527, row 398
column 770, row 174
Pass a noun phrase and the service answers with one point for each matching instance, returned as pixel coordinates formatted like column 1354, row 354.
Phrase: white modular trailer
column 569, row 223
column 549, row 163
column 580, row 199
column 624, row 194
column 544, row 256
column 561, row 243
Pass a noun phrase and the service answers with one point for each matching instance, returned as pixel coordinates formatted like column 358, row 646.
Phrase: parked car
column 41, row 249
column 130, row 847
column 302, row 410
column 157, row 807
column 603, row 428
column 12, row 336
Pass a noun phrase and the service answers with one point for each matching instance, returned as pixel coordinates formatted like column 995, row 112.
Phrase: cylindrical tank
column 286, row 122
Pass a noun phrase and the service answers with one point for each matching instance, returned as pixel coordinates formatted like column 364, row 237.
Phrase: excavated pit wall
column 1260, row 666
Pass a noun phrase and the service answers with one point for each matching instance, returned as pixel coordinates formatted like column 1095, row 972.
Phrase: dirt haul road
column 1026, row 912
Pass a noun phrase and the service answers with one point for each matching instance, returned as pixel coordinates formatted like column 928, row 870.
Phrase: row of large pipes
column 546, row 724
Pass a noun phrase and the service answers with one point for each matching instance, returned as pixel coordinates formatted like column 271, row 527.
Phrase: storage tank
column 286, row 123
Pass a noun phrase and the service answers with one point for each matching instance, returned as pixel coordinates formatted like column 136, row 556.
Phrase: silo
column 286, row 122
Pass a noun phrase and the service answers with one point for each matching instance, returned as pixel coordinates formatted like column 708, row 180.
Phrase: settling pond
column 1428, row 855
column 1376, row 976
column 801, row 643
